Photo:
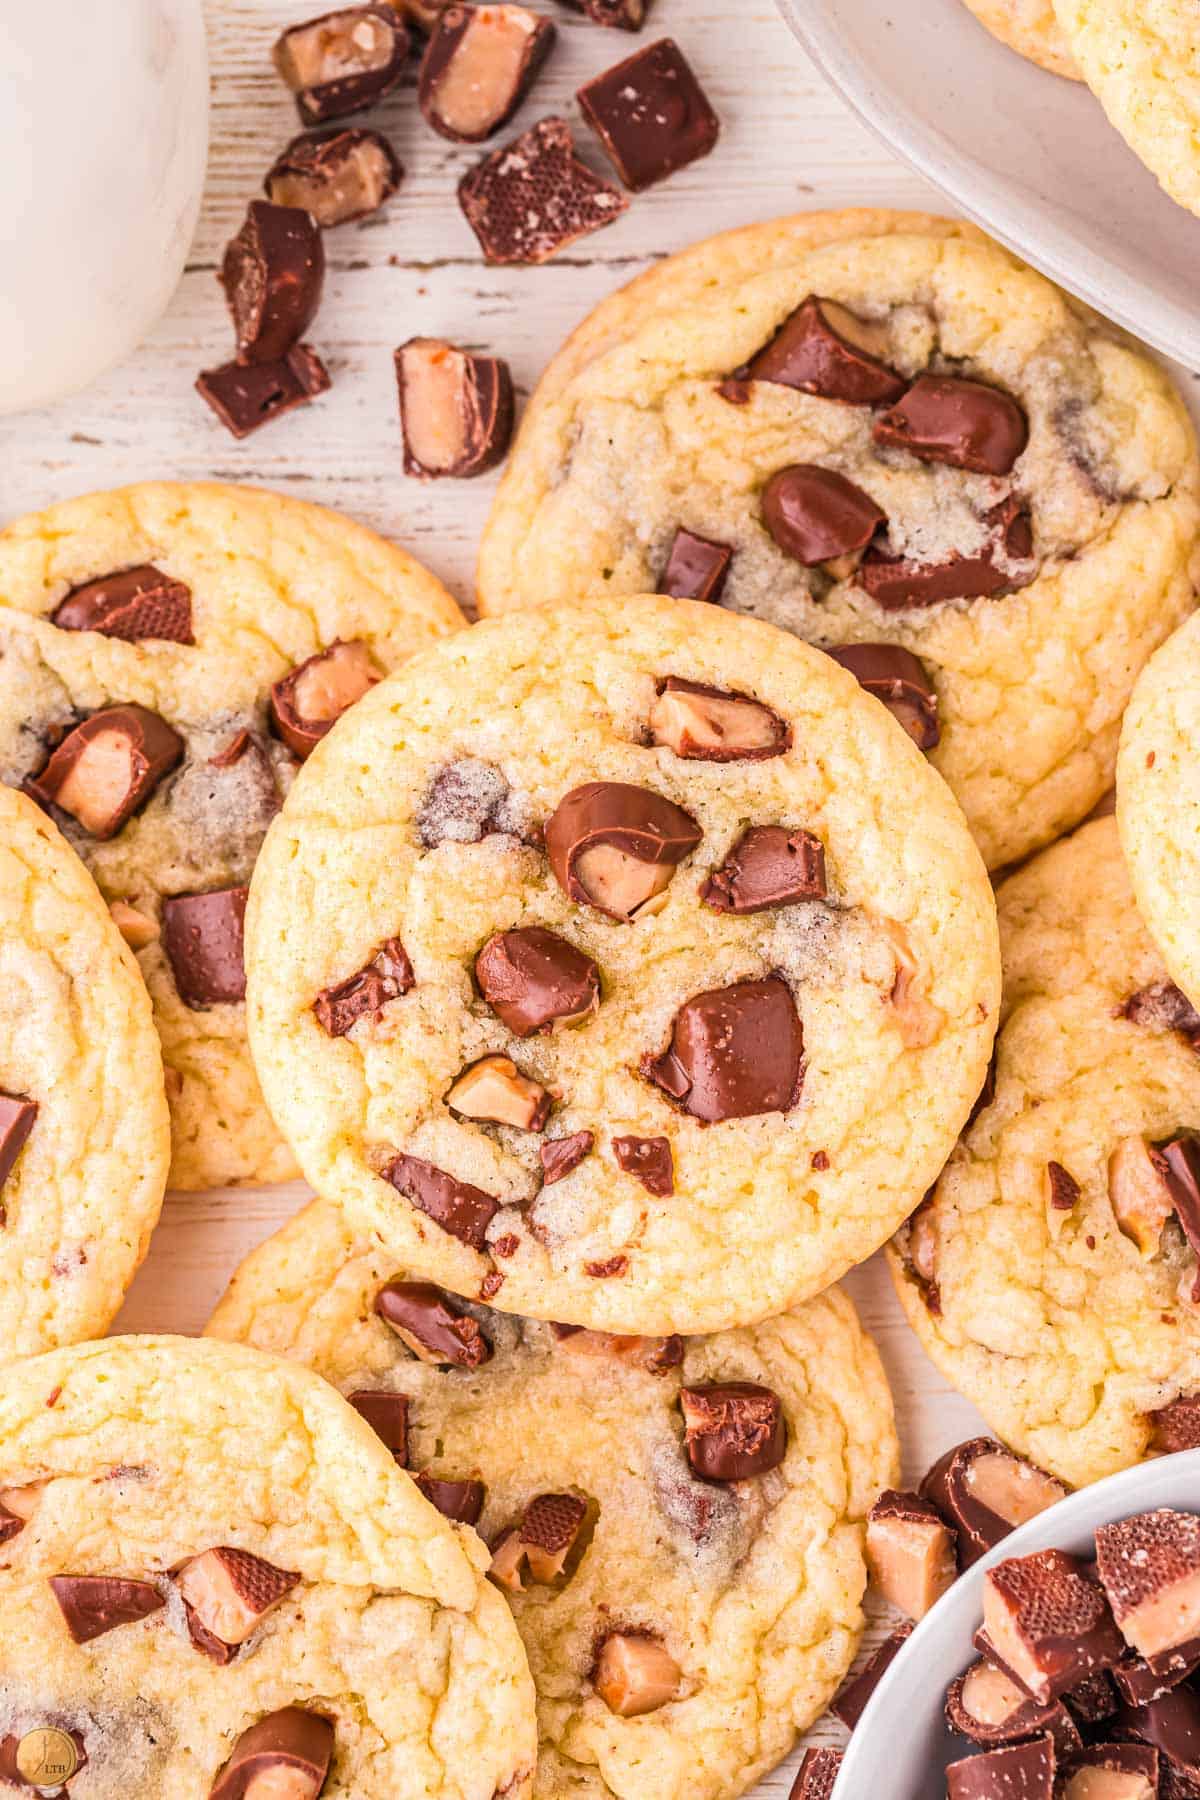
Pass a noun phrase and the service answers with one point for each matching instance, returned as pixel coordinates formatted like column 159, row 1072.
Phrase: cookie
column 158, row 646
column 1158, row 802
column 216, row 1582
column 625, row 963
column 878, row 429
column 1053, row 1275
column 84, row 1134
column 1030, row 28
column 747, row 1575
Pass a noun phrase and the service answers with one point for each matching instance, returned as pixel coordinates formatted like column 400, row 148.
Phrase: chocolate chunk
column 1138, row 1682
column 387, row 1415
column 696, row 568
column 493, row 1089
column 1093, row 1700
column 651, row 114
column 247, row 395
column 734, row 1430
column 1112, row 1772
column 1171, row 1723
column 968, row 424
column 709, row 724
column 531, row 198
column 895, row 676
column 816, row 1775
column 1163, row 1007
column 94, row 1604
column 1017, row 1772
column 11, row 1524
column 823, row 348
column 531, row 978
column 988, row 1707
column 561, row 1155
column 1178, row 1161
column 226, row 1592
column 1149, row 1566
column 386, row 976
column 816, row 515
column 338, row 175
column 650, row 1160
column 435, row 1329
column 851, row 1702
column 17, row 1115
column 1062, row 1189
column 273, row 273
column 458, row 1500
column 460, row 1209
column 615, row 847
column 549, row 1532
column 132, row 604
column 203, row 937
column 1176, row 1426
column 625, row 15
column 1049, row 1622
column 985, row 1491
column 768, row 866
column 634, row 1674
column 897, row 583
column 108, row 767
column 734, row 1051
column 315, row 694
column 456, row 409
column 287, row 1754
column 911, row 1552
column 478, row 66
column 342, row 61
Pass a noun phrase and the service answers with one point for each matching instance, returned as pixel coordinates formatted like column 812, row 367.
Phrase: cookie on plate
column 688, row 1513
column 1158, row 802
column 216, row 1583
column 170, row 652
column 84, row 1135
column 1031, row 29
column 625, row 962
column 1053, row 1274
column 883, row 433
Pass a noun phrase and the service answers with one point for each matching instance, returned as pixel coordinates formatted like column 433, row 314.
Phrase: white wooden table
column 788, row 143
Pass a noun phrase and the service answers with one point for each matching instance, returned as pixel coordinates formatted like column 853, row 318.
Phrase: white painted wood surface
column 788, row 143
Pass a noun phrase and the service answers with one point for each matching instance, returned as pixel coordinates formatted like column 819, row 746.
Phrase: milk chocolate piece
column 561, row 1155
column 273, row 273
column 532, row 978
column 616, row 847
column 651, row 114
column 897, row 583
column 968, row 424
column 531, row 198
column 1094, row 1699
column 308, row 700
column 895, row 676
column 94, row 1604
column 338, row 175
column 850, row 1702
column 1176, row 1426
column 1171, row 1723
column 734, row 1051
column 1016, row 1772
column 133, row 604
column 548, row 1533
column 226, row 1592
column 1138, row 1193
column 985, row 1491
column 387, row 1415
column 911, row 1551
column 11, row 1524
column 734, row 1430
column 286, row 1756
column 478, row 66
column 343, row 61
column 1163, row 1007
column 625, row 15
column 1112, row 1772
column 1138, row 1682
column 816, row 1775
column 823, row 348
column 988, row 1707
column 203, row 937
column 494, row 1089
column 1149, row 1566
column 17, row 1115
column 247, row 395
column 768, row 866
column 816, row 515
column 458, row 1500
column 709, row 724
column 108, row 767
column 388, row 975
column 696, row 568
column 650, row 1160
column 1062, row 1189
column 433, row 1325
column 456, row 409
column 460, row 1209
column 1179, row 1163
column 1049, row 1621
column 635, row 1674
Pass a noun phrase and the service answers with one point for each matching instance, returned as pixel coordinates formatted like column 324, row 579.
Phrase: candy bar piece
column 1178, row 1160
column 1171, row 1723
column 654, row 1354
column 988, row 1707
column 132, row 604
column 911, row 1551
column 11, row 1523
column 342, row 61
column 94, row 1604
column 387, row 976
column 245, row 396
column 1138, row 1193
column 815, row 515
column 307, row 701
column 508, row 1561
column 1017, row 1772
column 651, row 114
column 338, row 175
column 1112, row 1772
column 494, row 1089
column 1176, row 1426
column 696, row 568
column 458, row 1500
column 733, row 1430
column 985, row 1491
column 549, row 1531
column 816, row 1775
column 456, row 409
column 532, row 978
column 625, row 15
column 273, row 274
column 1138, row 1682
column 226, row 1593
column 616, row 847
column 17, row 1115
column 897, row 583
column 709, row 724
column 530, row 199
column 1062, row 1189
column 734, row 1051
column 650, row 1160
column 478, row 66
column 1094, row 1699
column 1149, row 1566
column 1163, row 1007
column 203, row 937
column 561, row 1155
column 108, row 767
column 850, row 1703
column 823, row 348
column 286, row 1756
column 634, row 1674
column 968, row 424
column 387, row 1415
column 768, row 866
column 460, row 1209
column 1049, row 1622
column 432, row 1325
column 895, row 676
column 420, row 15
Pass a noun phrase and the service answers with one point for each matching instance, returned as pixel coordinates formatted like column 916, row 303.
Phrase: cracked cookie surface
column 253, row 584
column 630, row 438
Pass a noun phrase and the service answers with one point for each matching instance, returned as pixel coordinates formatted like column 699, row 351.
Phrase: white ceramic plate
column 1029, row 155
column 901, row 1745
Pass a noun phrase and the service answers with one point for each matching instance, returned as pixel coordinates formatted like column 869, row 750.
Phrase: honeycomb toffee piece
column 709, row 724
column 1138, row 1194
column 530, row 199
column 387, row 976
column 549, row 1532
column 226, row 1594
column 1111, row 1772
column 911, row 1553
column 768, row 866
column 1176, row 1426
column 945, row 419
column 651, row 114
column 432, row 1325
column 17, row 1116
column 634, row 1673
column 825, row 349
column 273, row 273
column 387, row 1415
column 696, row 568
column 247, row 395
column 1048, row 1622
column 307, row 701
column 478, row 66
column 133, row 604
column 1016, row 1772
column 1171, row 1723
column 464, row 1211
column 563, row 1154
column 851, row 1701
column 985, row 1491
column 1149, row 1566
column 337, row 175
column 899, row 583
column 461, row 1501
column 734, row 1052
column 733, row 1430
column 286, row 1756
column 649, row 1159
column 95, row 1604
column 494, row 1090
column 898, row 678
column 988, row 1707
column 816, row 1775
column 456, row 409
column 343, row 61
column 816, row 516
column 108, row 767
column 203, row 936
column 532, row 978
column 616, row 847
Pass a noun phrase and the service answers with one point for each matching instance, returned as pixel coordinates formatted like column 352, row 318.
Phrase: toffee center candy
column 616, row 847
column 734, row 1051
column 768, row 866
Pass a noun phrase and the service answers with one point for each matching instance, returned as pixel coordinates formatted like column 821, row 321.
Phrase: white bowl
column 901, row 1744
column 1030, row 156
